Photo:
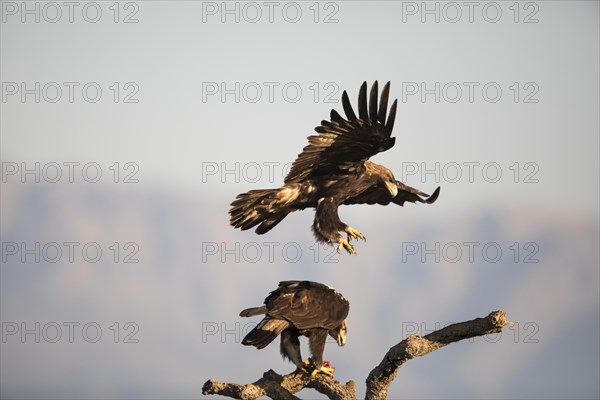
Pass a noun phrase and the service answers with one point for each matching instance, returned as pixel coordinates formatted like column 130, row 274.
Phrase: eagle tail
column 264, row 207
column 265, row 332
column 251, row 312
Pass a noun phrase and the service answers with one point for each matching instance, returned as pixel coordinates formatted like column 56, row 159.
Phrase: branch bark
column 283, row 387
column 382, row 376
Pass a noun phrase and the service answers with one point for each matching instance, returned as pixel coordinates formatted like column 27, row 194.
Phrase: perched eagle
column 300, row 308
column 333, row 169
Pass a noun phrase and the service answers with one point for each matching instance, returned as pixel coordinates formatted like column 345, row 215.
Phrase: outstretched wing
column 381, row 195
column 307, row 305
column 342, row 145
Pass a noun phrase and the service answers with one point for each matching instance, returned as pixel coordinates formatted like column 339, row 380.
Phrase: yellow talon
column 343, row 244
column 306, row 367
column 326, row 369
column 353, row 233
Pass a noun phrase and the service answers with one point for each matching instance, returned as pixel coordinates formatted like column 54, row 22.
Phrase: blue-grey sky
column 136, row 123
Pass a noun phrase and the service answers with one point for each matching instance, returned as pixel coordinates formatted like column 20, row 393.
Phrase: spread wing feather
column 380, row 195
column 342, row 145
column 307, row 305
column 385, row 94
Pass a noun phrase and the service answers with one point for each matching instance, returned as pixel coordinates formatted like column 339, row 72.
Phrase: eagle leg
column 353, row 233
column 290, row 346
column 344, row 244
column 327, row 226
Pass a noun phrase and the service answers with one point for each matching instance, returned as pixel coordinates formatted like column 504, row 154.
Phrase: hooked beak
column 392, row 188
column 341, row 340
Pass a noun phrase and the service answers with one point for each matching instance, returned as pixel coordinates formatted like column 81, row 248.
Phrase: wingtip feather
column 363, row 112
column 348, row 107
column 383, row 102
column 389, row 126
column 373, row 102
column 434, row 196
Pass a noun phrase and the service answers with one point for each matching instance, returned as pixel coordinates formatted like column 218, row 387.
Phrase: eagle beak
column 341, row 341
column 392, row 187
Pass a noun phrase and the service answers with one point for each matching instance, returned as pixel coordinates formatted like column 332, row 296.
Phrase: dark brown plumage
column 300, row 308
column 333, row 169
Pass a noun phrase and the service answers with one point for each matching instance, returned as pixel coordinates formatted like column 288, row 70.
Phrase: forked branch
column 283, row 387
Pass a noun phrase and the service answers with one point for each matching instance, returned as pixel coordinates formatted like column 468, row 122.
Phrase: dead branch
column 381, row 377
column 283, row 387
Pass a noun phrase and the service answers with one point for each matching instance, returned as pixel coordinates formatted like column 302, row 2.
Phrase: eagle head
column 384, row 177
column 389, row 181
column 339, row 333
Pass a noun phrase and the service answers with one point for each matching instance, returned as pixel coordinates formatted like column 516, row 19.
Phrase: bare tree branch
column 278, row 387
column 381, row 377
column 283, row 387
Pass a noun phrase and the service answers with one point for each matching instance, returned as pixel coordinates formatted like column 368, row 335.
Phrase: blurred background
column 128, row 127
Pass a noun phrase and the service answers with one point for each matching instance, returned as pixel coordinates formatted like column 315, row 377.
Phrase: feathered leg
column 316, row 343
column 290, row 347
column 327, row 225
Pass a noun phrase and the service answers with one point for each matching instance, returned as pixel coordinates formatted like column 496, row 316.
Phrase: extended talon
column 353, row 233
column 343, row 244
column 326, row 368
column 306, row 366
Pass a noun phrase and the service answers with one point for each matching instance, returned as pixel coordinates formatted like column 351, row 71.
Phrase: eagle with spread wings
column 333, row 170
column 300, row 308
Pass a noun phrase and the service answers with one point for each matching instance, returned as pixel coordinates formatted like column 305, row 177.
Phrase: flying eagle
column 333, row 169
column 300, row 308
